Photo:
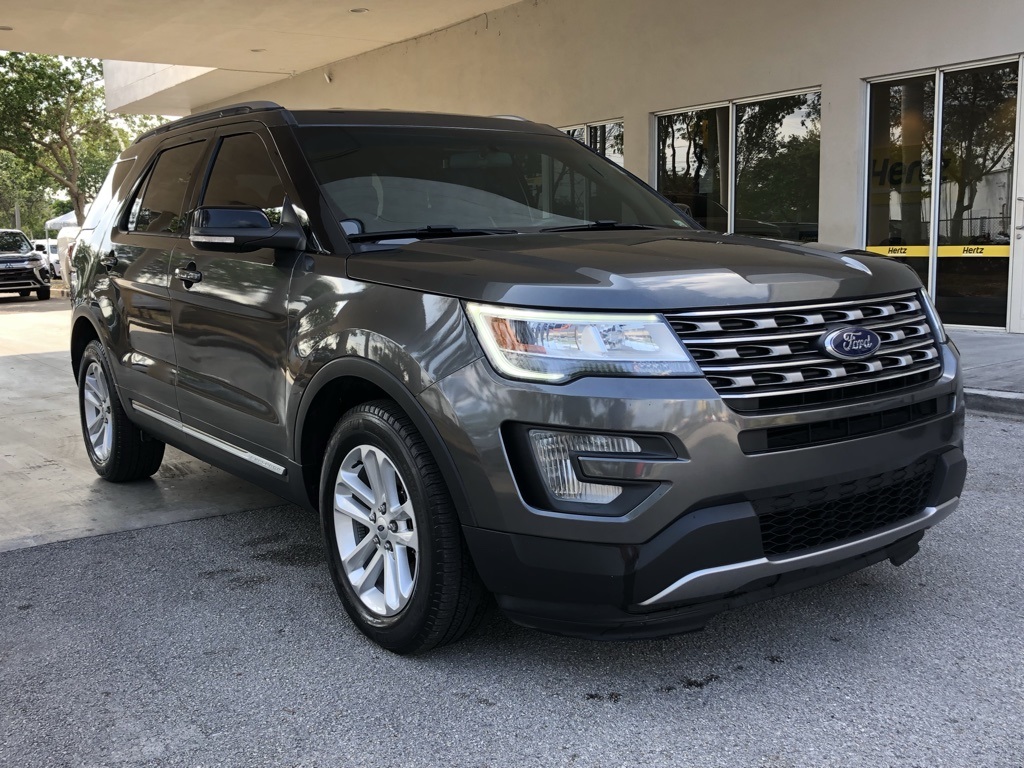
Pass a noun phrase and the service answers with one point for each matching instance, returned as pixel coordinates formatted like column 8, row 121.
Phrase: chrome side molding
column 216, row 442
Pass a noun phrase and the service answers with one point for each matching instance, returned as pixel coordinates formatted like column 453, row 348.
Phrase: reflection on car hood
column 645, row 270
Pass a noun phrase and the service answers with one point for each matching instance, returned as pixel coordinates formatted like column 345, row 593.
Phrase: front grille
column 17, row 275
column 767, row 358
column 753, row 441
column 829, row 514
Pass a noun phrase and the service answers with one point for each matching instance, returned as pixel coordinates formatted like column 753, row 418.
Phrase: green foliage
column 53, row 119
column 27, row 187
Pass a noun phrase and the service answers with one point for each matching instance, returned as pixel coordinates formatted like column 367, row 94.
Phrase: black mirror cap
column 238, row 229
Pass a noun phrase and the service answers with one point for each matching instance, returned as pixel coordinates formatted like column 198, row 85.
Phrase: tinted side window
column 115, row 178
column 244, row 175
column 159, row 206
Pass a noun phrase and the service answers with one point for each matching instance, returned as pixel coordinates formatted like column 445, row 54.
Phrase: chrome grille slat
column 917, row 320
column 813, row 389
column 786, row 309
column 765, row 358
column 769, row 364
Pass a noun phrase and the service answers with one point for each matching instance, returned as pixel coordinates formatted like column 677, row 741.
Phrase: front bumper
column 606, row 591
column 24, row 278
column 693, row 546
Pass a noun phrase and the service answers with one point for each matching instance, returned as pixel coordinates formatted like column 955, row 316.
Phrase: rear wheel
column 42, row 293
column 119, row 450
column 393, row 539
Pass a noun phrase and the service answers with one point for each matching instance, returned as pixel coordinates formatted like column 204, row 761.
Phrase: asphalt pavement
column 217, row 640
column 220, row 642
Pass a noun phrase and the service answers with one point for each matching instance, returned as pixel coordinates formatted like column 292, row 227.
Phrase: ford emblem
column 850, row 343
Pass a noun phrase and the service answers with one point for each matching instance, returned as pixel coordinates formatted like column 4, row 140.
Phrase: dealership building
column 894, row 127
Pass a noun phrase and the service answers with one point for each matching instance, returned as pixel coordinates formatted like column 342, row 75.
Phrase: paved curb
column 994, row 401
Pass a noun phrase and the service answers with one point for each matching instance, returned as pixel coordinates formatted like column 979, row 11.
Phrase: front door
column 231, row 325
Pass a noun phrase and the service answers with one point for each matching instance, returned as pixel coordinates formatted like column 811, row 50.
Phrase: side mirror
column 242, row 229
column 40, row 247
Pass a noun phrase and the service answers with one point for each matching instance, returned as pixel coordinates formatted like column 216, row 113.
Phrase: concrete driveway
column 206, row 632
column 50, row 491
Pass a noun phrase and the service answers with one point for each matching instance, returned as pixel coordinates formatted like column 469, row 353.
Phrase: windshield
column 382, row 180
column 14, row 242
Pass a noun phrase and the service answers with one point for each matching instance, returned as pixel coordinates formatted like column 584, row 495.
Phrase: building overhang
column 194, row 52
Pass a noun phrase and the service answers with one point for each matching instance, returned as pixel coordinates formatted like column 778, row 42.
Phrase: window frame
column 586, row 127
column 141, row 184
column 731, row 105
column 227, row 132
column 938, row 75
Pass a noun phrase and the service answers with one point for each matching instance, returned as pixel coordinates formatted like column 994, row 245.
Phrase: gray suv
column 22, row 270
column 496, row 364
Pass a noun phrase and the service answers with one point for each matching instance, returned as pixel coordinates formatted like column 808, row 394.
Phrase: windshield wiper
column 427, row 232
column 599, row 224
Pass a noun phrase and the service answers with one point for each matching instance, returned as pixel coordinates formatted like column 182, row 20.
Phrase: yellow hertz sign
column 944, row 250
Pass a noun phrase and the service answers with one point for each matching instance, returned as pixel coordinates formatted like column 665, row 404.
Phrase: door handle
column 109, row 260
column 1020, row 213
column 188, row 276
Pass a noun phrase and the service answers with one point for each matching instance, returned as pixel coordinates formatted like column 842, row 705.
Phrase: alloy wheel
column 96, row 397
column 376, row 530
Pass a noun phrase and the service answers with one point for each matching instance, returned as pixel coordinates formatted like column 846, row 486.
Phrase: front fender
column 394, row 388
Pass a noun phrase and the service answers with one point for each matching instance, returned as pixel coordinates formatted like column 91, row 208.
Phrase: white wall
column 567, row 62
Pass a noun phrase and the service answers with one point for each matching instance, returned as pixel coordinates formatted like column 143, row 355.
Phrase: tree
column 53, row 119
column 27, row 189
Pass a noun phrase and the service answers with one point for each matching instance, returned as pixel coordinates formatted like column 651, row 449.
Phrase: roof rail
column 244, row 108
column 511, row 117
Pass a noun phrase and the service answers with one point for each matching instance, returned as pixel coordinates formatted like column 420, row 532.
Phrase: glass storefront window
column 900, row 144
column 979, row 116
column 607, row 139
column 963, row 255
column 778, row 150
column 690, row 169
column 604, row 138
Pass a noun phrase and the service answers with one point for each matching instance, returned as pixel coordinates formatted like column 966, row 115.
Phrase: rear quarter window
column 115, row 178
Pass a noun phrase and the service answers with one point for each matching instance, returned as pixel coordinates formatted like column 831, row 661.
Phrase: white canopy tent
column 67, row 220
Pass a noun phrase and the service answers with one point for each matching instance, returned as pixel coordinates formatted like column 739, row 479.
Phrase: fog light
column 553, row 452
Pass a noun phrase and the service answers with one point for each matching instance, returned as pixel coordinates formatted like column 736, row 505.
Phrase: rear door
column 231, row 325
column 137, row 258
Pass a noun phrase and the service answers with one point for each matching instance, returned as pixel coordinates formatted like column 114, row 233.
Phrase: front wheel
column 393, row 540
column 42, row 294
column 119, row 450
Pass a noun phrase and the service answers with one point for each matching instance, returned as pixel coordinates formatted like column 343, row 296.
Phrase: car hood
column 14, row 256
column 637, row 269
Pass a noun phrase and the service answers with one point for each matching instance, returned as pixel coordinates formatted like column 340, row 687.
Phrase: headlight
column 555, row 346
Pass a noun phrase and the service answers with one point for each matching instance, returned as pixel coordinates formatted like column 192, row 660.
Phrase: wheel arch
column 338, row 387
column 82, row 332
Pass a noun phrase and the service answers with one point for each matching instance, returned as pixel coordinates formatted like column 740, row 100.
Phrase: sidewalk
column 993, row 365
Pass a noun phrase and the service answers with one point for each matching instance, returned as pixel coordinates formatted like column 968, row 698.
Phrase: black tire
column 132, row 454
column 447, row 598
column 42, row 294
column 24, row 294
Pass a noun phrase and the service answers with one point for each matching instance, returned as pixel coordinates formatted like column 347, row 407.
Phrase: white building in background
column 891, row 126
